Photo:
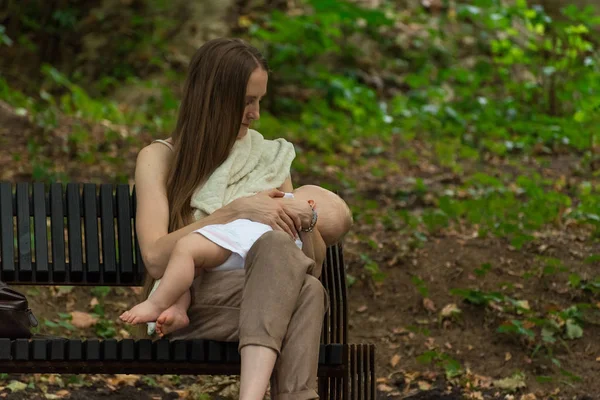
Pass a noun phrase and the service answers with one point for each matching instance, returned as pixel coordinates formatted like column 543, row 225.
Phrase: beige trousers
column 277, row 301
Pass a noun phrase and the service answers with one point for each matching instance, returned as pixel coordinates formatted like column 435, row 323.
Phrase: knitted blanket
column 254, row 164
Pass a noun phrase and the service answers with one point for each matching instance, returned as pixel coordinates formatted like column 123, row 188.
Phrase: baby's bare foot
column 170, row 320
column 143, row 312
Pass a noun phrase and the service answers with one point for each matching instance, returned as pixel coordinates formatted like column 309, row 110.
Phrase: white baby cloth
column 238, row 237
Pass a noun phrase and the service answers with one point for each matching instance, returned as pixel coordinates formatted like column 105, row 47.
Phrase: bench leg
column 333, row 389
column 359, row 383
column 361, row 372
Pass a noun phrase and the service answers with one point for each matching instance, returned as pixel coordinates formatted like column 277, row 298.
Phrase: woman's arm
column 152, row 214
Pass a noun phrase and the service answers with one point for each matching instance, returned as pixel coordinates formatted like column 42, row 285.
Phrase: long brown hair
column 209, row 118
column 209, row 121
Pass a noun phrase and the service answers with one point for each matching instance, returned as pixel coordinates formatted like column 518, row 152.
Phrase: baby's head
column 335, row 217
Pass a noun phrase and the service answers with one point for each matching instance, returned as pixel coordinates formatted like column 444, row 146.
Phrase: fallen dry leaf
column 82, row 320
column 428, row 304
column 395, row 360
column 529, row 396
column 424, row 385
column 94, row 302
column 399, row 331
column 62, row 393
column 507, row 356
column 123, row 379
column 137, row 290
column 513, row 383
column 382, row 387
column 449, row 310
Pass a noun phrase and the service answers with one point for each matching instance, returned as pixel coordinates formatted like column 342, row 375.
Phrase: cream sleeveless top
column 169, row 145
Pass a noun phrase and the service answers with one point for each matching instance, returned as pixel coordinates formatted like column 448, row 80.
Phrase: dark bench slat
column 75, row 350
column 90, row 223
column 58, row 349
column 232, row 354
column 110, row 351
column 92, row 350
column 162, row 350
column 59, row 270
column 354, row 372
column 75, row 238
column 7, row 235
column 24, row 232
column 339, row 285
column 107, row 226
column 40, row 227
column 371, row 370
column 335, row 354
column 180, row 350
column 331, row 287
column 339, row 250
column 195, row 350
column 5, row 350
column 198, row 351
column 144, row 350
column 39, row 349
column 127, row 349
column 21, row 350
column 216, row 351
column 138, row 254
column 124, row 234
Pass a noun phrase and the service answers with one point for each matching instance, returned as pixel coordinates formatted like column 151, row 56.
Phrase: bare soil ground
column 392, row 314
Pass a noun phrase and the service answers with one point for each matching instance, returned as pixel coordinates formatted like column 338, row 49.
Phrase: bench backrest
column 84, row 234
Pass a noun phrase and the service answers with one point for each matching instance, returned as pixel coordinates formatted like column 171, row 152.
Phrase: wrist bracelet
column 315, row 216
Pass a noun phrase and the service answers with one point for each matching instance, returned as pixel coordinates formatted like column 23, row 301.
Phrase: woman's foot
column 172, row 319
column 143, row 312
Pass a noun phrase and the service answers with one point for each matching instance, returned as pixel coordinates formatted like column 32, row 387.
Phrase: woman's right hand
column 262, row 207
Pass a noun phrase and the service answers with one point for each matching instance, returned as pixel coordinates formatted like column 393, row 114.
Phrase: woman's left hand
column 298, row 210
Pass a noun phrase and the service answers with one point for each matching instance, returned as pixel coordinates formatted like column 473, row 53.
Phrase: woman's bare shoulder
column 154, row 158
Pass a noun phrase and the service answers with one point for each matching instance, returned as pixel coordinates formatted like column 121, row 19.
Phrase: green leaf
column 574, row 331
column 51, row 324
column 16, row 386
column 512, row 384
column 101, row 291
column 452, row 368
column 593, row 259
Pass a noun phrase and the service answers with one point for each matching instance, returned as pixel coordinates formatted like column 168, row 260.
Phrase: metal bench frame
column 101, row 249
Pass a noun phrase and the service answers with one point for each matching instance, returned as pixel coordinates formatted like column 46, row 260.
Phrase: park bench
column 83, row 234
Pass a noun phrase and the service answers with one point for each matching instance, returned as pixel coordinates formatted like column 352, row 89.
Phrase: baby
column 224, row 247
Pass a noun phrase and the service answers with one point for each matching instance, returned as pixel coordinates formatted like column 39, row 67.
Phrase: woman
column 275, row 306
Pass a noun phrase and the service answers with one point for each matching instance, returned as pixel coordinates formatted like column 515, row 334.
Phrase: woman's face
column 255, row 91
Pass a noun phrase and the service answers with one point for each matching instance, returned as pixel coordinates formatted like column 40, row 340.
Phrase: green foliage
column 300, row 48
column 450, row 365
column 372, row 268
column 4, row 39
column 420, row 285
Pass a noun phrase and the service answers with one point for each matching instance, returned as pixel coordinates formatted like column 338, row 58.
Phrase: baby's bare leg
column 191, row 253
column 174, row 317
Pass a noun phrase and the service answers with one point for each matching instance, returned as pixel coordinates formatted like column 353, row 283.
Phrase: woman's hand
column 266, row 207
column 299, row 211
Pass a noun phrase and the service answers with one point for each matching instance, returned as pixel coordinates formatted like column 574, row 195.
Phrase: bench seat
column 83, row 234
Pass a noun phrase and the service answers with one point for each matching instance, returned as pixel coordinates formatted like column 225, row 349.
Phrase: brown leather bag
column 16, row 318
